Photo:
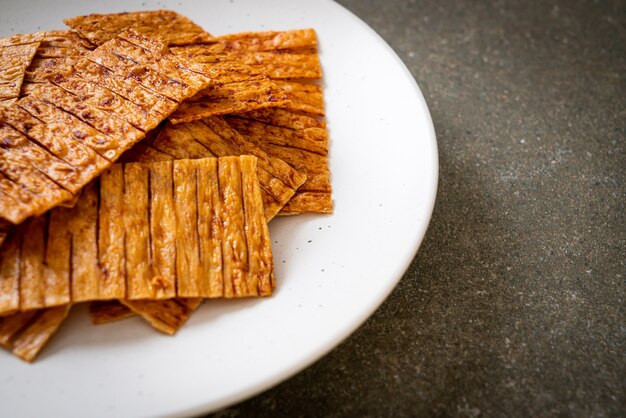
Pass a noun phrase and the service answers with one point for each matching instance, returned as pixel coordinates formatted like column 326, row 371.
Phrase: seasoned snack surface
column 67, row 120
column 184, row 228
column 16, row 54
column 174, row 28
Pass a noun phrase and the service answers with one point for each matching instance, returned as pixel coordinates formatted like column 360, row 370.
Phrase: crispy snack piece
column 26, row 333
column 302, row 97
column 239, row 64
column 300, row 141
column 287, row 54
column 284, row 65
column 10, row 262
column 16, row 54
column 62, row 135
column 173, row 28
column 283, row 118
column 5, row 229
column 167, row 316
column 186, row 228
column 56, row 53
column 213, row 137
column 177, row 142
column 302, row 40
column 279, row 55
column 58, row 43
column 11, row 325
column 106, row 311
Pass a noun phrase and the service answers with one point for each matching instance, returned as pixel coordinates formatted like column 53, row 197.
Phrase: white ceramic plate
column 333, row 271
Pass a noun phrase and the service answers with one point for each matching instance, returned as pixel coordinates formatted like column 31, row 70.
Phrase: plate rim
column 366, row 310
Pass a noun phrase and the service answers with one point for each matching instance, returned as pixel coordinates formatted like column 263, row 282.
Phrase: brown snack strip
column 57, row 138
column 137, row 231
column 141, row 74
column 111, row 251
column 314, row 140
column 144, row 153
column 234, row 250
column 226, row 205
column 21, row 39
column 69, row 128
column 303, row 97
column 141, row 117
column 259, row 275
column 191, row 280
column 10, row 70
column 126, row 87
column 96, row 129
column 58, row 258
column 237, row 97
column 24, row 190
column 56, row 53
column 162, row 231
column 49, row 137
column 214, row 137
column 179, row 72
column 309, row 201
column 5, row 229
column 211, row 229
column 163, row 315
column 16, row 54
column 209, row 219
column 69, row 203
column 300, row 141
column 167, row 316
column 66, row 39
column 135, row 60
column 33, row 189
column 84, row 264
column 279, row 55
column 16, row 146
column 32, row 283
column 7, row 102
column 10, row 263
column 283, row 65
column 11, row 325
column 283, row 118
column 290, row 40
column 36, row 334
column 174, row 28
column 14, row 198
column 228, row 72
column 314, row 165
column 112, row 135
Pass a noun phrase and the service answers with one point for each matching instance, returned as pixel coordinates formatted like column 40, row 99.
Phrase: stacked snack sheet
column 141, row 159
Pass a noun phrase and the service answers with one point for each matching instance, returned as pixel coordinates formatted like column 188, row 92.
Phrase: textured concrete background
column 514, row 305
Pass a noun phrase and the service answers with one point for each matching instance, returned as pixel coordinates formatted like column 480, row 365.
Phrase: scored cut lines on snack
column 80, row 254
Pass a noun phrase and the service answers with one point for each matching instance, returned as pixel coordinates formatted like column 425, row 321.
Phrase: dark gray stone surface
column 514, row 305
